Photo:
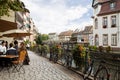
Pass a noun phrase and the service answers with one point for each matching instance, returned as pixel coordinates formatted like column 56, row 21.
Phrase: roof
column 52, row 33
column 66, row 33
column 105, row 9
column 88, row 29
column 81, row 32
column 7, row 25
column 99, row 2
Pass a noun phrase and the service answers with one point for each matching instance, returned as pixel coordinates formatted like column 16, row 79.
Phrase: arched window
column 96, row 40
column 96, row 23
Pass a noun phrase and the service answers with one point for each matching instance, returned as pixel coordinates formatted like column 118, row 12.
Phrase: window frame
column 96, row 23
column 113, row 39
column 105, row 22
column 105, row 39
column 112, row 5
column 113, row 21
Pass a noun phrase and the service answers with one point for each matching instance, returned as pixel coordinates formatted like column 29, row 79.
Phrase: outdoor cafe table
column 5, row 60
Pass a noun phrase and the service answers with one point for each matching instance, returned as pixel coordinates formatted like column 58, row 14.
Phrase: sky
column 57, row 16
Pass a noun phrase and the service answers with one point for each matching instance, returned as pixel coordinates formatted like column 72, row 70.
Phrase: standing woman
column 23, row 47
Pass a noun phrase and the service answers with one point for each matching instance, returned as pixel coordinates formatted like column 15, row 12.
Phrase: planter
column 104, row 26
column 113, row 25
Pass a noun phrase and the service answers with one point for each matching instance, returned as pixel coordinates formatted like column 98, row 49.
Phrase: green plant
column 94, row 48
column 108, row 49
column 90, row 47
column 78, row 55
column 101, row 48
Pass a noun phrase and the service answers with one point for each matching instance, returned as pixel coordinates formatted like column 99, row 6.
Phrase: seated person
column 2, row 48
column 11, row 50
column 23, row 47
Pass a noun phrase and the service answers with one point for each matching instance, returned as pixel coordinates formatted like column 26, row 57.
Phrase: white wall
column 100, row 31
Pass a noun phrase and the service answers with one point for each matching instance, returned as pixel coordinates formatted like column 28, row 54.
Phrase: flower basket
column 104, row 26
column 113, row 25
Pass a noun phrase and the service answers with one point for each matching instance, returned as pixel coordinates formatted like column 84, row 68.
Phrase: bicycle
column 115, row 70
column 101, row 72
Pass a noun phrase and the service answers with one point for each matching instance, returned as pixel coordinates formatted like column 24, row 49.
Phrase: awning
column 7, row 25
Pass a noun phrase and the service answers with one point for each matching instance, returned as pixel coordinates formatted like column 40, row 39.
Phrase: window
column 96, row 24
column 113, row 21
column 114, row 39
column 104, row 22
column 96, row 40
column 105, row 39
column 112, row 5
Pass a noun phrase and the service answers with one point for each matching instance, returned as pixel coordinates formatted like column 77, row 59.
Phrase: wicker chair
column 18, row 64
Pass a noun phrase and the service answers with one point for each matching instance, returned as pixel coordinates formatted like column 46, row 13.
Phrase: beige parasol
column 16, row 33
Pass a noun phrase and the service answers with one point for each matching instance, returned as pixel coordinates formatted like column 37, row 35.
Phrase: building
column 106, row 27
column 18, row 20
column 53, row 37
column 65, row 36
column 88, row 34
column 74, row 36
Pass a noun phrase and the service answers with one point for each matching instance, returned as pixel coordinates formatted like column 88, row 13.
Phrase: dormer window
column 112, row 5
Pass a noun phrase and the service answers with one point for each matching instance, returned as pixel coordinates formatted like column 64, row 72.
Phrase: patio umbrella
column 7, row 25
column 16, row 33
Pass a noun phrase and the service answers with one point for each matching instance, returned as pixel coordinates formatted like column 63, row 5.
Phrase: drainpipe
column 118, row 28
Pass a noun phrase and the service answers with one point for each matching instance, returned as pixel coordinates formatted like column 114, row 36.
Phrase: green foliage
column 44, row 37
column 93, row 48
column 7, row 5
column 108, row 49
column 78, row 55
column 101, row 49
column 27, row 42
column 38, row 39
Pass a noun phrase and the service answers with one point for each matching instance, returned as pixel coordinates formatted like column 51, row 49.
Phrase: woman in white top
column 3, row 48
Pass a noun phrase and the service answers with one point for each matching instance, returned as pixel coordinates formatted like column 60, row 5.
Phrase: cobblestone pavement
column 40, row 69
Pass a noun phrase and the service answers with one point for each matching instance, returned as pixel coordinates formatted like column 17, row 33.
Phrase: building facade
column 65, row 36
column 106, row 27
column 53, row 37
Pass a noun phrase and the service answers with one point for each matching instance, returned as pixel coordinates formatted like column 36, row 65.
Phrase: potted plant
column 78, row 55
column 113, row 25
column 101, row 49
column 108, row 49
column 104, row 26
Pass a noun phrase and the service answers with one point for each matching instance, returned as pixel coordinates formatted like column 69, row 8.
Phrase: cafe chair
column 18, row 64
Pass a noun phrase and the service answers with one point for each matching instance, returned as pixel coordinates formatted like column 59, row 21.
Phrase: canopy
column 7, row 25
column 16, row 33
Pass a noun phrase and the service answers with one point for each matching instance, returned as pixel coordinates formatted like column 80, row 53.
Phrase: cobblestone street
column 40, row 69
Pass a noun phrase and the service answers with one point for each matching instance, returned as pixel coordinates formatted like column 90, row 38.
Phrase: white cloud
column 56, row 16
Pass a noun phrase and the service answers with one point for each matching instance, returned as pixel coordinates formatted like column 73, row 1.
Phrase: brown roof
column 52, row 33
column 88, row 30
column 66, row 33
column 105, row 9
column 99, row 2
column 7, row 25
column 81, row 32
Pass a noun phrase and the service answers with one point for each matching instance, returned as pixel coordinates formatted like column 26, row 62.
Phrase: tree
column 44, row 37
column 7, row 5
column 38, row 39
